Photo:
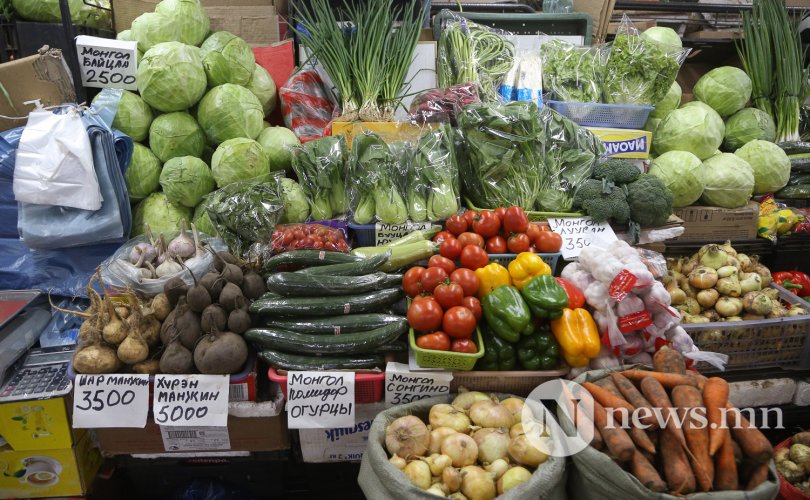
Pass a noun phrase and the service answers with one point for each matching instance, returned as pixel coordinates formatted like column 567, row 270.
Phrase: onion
column 398, row 462
column 418, row 473
column 489, row 414
column 515, row 407
column 461, row 449
column 713, row 256
column 703, row 277
column 436, row 438
column 516, row 430
column 492, row 444
column 438, row 463
column 727, row 307
column 523, row 452
column 466, row 399
column 707, row 298
column 477, row 483
column 451, row 477
column 437, row 490
column 407, row 436
column 497, row 468
column 512, row 478
column 444, row 415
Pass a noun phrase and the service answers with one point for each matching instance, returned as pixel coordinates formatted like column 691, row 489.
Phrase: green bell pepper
column 538, row 352
column 507, row 314
column 545, row 297
column 499, row 355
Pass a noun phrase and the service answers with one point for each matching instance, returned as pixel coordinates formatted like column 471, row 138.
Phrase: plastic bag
column 775, row 219
column 524, row 81
column 432, row 184
column 320, row 168
column 305, row 105
column 375, row 179
column 572, row 73
column 308, row 237
column 442, row 105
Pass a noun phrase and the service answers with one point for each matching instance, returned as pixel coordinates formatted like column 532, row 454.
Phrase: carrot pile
column 700, row 455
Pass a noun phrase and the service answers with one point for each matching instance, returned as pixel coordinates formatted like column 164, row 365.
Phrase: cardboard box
column 38, row 425
column 718, row 224
column 625, row 143
column 45, row 77
column 343, row 444
column 48, row 473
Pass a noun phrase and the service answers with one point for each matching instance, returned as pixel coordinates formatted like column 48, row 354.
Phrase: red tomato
column 544, row 226
column 423, row 297
column 436, row 341
column 411, row 281
column 500, row 212
column 459, row 322
column 443, row 235
column 449, row 295
column 515, row 220
column 474, row 305
column 496, row 244
column 518, row 243
column 470, row 216
column 532, row 230
column 438, row 261
column 473, row 257
column 464, row 345
column 425, row 315
column 432, row 277
column 548, row 242
column 467, row 279
column 456, row 224
column 487, row 224
column 471, row 239
column 450, row 249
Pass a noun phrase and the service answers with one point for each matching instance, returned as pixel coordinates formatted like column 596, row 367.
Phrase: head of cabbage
column 162, row 215
column 277, row 143
column 695, row 127
column 176, row 134
column 669, row 103
column 227, row 59
column 663, row 35
column 230, row 111
column 682, row 173
column 185, row 180
column 264, row 88
column 191, row 19
column 143, row 174
column 726, row 89
column 747, row 125
column 201, row 219
column 151, row 28
column 44, row 11
column 133, row 117
column 728, row 181
column 770, row 164
column 238, row 159
column 296, row 206
column 171, row 77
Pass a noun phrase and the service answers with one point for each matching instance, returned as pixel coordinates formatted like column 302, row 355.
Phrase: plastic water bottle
column 558, row 6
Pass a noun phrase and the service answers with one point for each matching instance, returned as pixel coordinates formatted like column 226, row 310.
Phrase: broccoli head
column 616, row 171
column 650, row 201
column 612, row 206
column 588, row 190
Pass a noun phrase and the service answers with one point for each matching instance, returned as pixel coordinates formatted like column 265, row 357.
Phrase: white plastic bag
column 54, row 164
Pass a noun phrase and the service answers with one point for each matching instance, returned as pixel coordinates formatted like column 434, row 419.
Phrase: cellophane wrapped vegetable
column 319, row 166
column 376, row 172
column 442, row 105
column 432, row 191
column 305, row 105
column 572, row 73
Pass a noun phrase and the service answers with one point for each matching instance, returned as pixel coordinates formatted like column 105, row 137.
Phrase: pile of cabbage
column 98, row 15
column 197, row 118
column 715, row 151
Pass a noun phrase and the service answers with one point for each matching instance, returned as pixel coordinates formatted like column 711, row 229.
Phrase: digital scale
column 41, row 374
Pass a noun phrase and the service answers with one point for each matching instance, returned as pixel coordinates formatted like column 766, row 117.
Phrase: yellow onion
column 490, row 414
column 437, row 490
column 444, row 415
column 398, row 462
column 729, row 286
column 523, row 452
column 477, row 484
column 515, row 407
column 407, row 436
column 707, row 298
column 497, row 468
column 703, row 277
column 728, row 306
column 451, row 477
column 437, row 463
column 418, row 473
column 493, row 444
column 713, row 256
column 513, row 478
column 461, row 448
column 466, row 399
column 436, row 438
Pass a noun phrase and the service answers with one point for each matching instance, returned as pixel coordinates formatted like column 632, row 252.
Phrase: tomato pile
column 308, row 237
column 443, row 307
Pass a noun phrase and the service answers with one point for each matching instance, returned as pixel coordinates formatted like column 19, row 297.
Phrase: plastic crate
column 786, row 490
column 791, row 254
column 456, row 361
column 591, row 114
column 762, row 343
column 519, row 383
column 368, row 387
column 576, row 24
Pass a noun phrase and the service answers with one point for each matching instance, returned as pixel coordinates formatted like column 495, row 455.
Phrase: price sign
column 106, row 63
column 386, row 233
column 110, row 401
column 320, row 400
column 191, row 400
column 403, row 386
column 579, row 233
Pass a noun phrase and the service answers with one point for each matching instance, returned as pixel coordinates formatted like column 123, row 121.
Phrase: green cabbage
column 125, row 36
column 185, row 180
column 665, row 36
column 728, row 181
column 746, row 125
column 227, row 59
column 44, row 11
column 176, row 134
column 151, row 28
column 161, row 215
column 171, row 77
column 695, row 127
column 133, row 116
column 726, row 89
column 652, row 125
column 682, row 172
column 202, row 221
column 94, row 17
column 669, row 103
column 296, row 206
column 230, row 111
column 238, row 159
column 191, row 19
column 143, row 174
column 277, row 143
column 770, row 164
column 264, row 88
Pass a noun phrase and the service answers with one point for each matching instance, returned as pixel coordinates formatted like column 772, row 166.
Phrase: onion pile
column 472, row 449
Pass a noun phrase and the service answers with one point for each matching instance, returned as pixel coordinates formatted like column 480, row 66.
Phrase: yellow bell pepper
column 490, row 277
column 526, row 266
column 578, row 336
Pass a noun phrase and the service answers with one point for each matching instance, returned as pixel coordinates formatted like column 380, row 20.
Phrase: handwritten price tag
column 320, row 400
column 191, row 400
column 402, row 386
column 579, row 233
column 386, row 233
column 110, row 401
column 106, row 63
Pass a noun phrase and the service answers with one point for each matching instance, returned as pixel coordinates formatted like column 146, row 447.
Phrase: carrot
column 697, row 437
column 610, row 401
column 597, row 442
column 668, row 360
column 668, row 380
column 738, row 454
column 608, row 385
column 677, row 470
column 617, row 441
column 753, row 443
column 635, row 398
column 641, row 439
column 725, row 467
column 715, row 398
column 581, row 419
column 646, row 474
column 657, row 396
column 701, row 381
column 758, row 476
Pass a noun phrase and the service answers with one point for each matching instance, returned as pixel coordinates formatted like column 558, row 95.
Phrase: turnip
column 176, row 359
column 161, row 307
column 133, row 349
column 174, row 289
column 214, row 318
column 148, row 367
column 220, row 353
column 230, row 296
column 239, row 320
column 253, row 285
column 116, row 330
column 213, row 282
column 94, row 359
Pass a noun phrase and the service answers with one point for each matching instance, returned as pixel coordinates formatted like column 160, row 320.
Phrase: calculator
column 41, row 374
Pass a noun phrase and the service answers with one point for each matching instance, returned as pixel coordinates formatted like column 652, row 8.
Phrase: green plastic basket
column 456, row 361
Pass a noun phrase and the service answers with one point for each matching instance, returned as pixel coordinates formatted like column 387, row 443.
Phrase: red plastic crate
column 786, row 490
column 368, row 387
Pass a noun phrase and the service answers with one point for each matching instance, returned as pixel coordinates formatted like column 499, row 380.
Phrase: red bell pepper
column 576, row 299
column 795, row 281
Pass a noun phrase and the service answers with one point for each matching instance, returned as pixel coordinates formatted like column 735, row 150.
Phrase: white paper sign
column 191, row 400
column 403, row 386
column 106, row 63
column 581, row 232
column 386, row 233
column 195, row 438
column 114, row 400
column 317, row 400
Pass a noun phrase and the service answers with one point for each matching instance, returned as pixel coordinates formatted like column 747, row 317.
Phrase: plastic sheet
column 432, row 184
column 306, row 106
column 442, row 105
column 375, row 179
column 320, row 168
column 572, row 73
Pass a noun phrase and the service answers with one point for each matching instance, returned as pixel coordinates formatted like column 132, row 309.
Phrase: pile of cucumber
column 798, row 187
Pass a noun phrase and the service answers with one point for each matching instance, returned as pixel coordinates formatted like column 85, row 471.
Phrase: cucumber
column 358, row 268
column 415, row 237
column 314, row 363
column 334, row 325
column 350, row 343
column 327, row 306
column 795, row 147
column 402, row 255
column 307, row 258
column 798, row 192
column 306, row 285
column 798, row 178
column 800, row 165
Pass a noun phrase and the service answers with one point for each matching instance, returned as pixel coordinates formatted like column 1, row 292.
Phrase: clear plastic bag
column 432, row 184
column 307, row 237
column 572, row 73
column 375, row 180
column 305, row 105
column 320, row 168
column 443, row 104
